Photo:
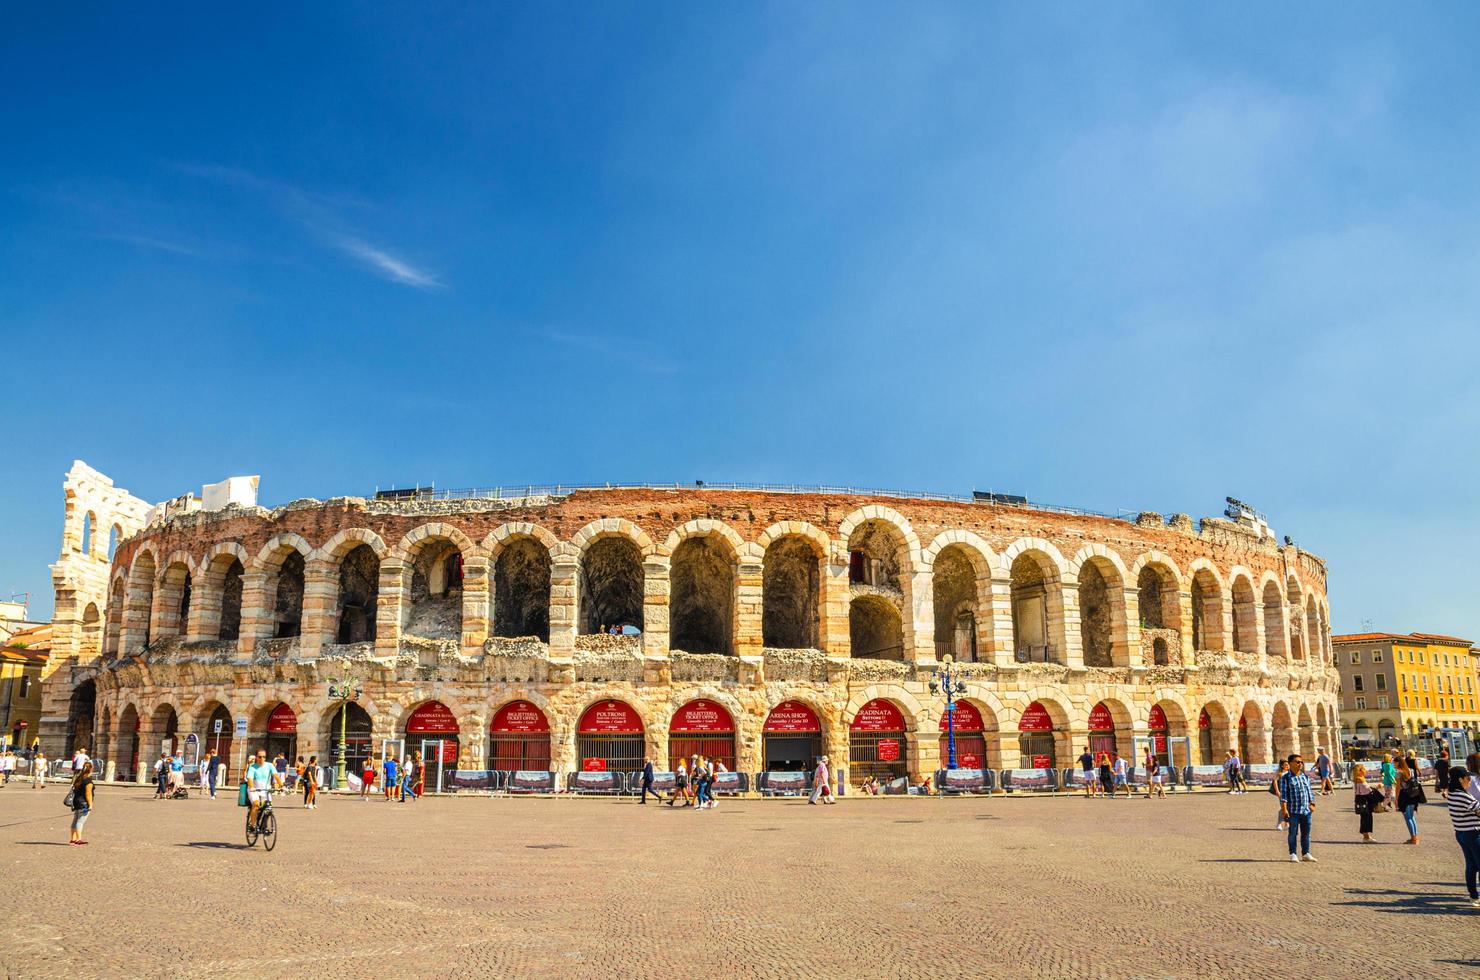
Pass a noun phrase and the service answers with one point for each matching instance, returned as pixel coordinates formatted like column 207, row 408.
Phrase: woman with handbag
column 1368, row 799
column 1410, row 797
column 1464, row 814
column 80, row 799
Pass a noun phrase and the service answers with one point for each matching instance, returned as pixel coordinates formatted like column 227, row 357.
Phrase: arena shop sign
column 792, row 717
column 791, row 738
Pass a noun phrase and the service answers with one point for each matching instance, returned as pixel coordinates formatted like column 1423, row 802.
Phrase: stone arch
column 219, row 600
column 1313, row 645
column 703, row 579
column 792, row 570
column 501, row 536
column 1245, row 619
column 613, row 526
column 173, row 596
column 875, row 628
column 117, row 600
column 1306, row 732
column 893, row 518
column 357, row 592
column 431, row 559
column 1121, row 714
column 1036, row 573
column 522, row 567
column 1253, row 737
column 611, row 583
column 1158, row 591
column 1276, row 636
column 1101, row 577
column 906, row 702
column 138, row 621
column 1282, row 734
column 278, row 585
column 1059, row 713
column 960, row 565
column 1207, row 590
column 87, row 543
column 90, row 643
column 1216, row 737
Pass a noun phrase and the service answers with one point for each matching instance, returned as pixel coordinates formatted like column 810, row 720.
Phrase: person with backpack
column 1367, row 800
column 80, row 800
column 1410, row 797
column 1464, row 815
column 311, row 784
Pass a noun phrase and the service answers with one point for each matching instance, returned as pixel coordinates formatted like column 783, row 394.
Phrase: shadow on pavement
column 44, row 843
column 1284, row 860
column 214, row 843
column 1407, row 903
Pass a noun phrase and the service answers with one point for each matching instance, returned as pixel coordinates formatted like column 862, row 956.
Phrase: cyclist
column 261, row 778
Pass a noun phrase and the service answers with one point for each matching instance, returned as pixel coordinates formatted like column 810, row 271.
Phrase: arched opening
column 521, row 592
column 221, row 599
column 279, row 734
column 115, row 619
column 519, row 739
column 359, row 590
column 954, row 587
column 1036, row 748
column 1296, row 624
column 358, row 737
column 701, row 728
column 791, row 590
column 609, row 737
column 287, row 594
column 1245, row 620
column 1253, row 751
column 1160, row 652
column 92, row 631
column 1207, row 611
column 875, row 629
column 174, row 601
column 165, row 727
column 115, row 535
column 1032, row 639
column 1102, row 733
column 877, row 554
column 128, row 747
column 1212, row 734
column 1098, row 611
column 969, row 729
column 1281, row 732
column 791, row 740
column 81, row 710
column 139, row 619
column 611, row 585
column 433, row 610
column 219, row 735
column 1312, row 630
column 702, row 596
column 87, row 533
column 230, row 628
column 1307, row 734
column 878, row 745
column 432, row 730
column 1159, row 727
column 1274, row 621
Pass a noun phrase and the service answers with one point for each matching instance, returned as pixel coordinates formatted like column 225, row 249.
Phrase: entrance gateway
column 971, row 739
column 877, row 745
column 1101, row 732
column 432, row 730
column 791, row 740
column 519, row 739
column 282, row 734
column 1035, row 738
column 701, row 728
column 609, row 738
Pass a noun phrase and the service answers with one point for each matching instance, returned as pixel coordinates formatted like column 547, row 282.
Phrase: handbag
column 69, row 799
column 241, row 794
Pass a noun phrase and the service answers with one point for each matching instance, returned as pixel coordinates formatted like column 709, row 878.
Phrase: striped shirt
column 1464, row 810
column 1295, row 792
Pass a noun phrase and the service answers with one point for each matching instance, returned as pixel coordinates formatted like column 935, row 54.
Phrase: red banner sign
column 968, row 718
column 1036, row 719
column 519, row 717
column 703, row 717
column 282, row 719
column 1203, row 721
column 593, row 765
column 610, row 718
column 1100, row 719
column 792, row 717
column 1158, row 719
column 888, row 750
column 1042, row 762
column 878, row 716
column 432, row 718
column 968, row 760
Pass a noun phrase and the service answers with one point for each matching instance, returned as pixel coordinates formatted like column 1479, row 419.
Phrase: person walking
column 1153, row 776
column 1107, row 776
column 311, row 784
column 1441, row 773
column 38, row 770
column 80, row 758
column 1464, row 815
column 161, row 775
column 647, row 783
column 177, row 772
column 82, row 801
column 1389, row 778
column 1087, row 768
column 1233, row 771
column 821, row 790
column 1323, row 772
column 1274, row 790
column 213, row 774
column 1121, row 771
column 702, row 778
column 1410, row 798
column 680, row 784
column 408, row 778
column 391, row 782
column 367, row 778
column 1297, row 807
column 1366, row 798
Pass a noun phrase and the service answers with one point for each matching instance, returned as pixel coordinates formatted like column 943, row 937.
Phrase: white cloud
column 384, row 264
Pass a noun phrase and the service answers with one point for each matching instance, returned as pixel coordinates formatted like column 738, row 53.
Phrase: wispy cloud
column 146, row 241
column 384, row 264
column 319, row 213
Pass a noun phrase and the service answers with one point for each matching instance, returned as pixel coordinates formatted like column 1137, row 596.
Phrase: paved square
column 1190, row 886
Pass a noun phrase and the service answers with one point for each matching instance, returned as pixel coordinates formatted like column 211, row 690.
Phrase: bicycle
column 265, row 826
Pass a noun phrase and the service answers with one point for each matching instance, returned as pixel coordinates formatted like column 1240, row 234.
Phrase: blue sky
column 1134, row 257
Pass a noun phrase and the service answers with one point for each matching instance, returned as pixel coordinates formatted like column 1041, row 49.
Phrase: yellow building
column 1406, row 683
column 22, row 662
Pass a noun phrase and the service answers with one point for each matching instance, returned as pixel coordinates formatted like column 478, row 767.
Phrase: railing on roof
column 561, row 489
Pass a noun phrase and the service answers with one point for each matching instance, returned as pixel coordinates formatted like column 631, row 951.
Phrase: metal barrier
column 524, row 781
column 959, row 782
column 601, row 783
column 1030, row 779
column 784, row 783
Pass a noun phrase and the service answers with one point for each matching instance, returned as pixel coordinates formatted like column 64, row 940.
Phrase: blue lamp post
column 947, row 686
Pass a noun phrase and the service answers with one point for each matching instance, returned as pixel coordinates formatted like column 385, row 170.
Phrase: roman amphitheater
column 571, row 629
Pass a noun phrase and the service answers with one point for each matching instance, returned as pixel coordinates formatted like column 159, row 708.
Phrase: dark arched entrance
column 80, row 713
column 792, row 738
column 357, row 740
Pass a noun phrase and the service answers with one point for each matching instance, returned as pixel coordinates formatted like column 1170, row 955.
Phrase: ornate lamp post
column 344, row 691
column 946, row 685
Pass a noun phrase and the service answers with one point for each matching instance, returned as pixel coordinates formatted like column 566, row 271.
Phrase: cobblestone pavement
column 1195, row 885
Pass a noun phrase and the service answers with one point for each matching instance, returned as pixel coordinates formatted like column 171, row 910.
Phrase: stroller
column 181, row 792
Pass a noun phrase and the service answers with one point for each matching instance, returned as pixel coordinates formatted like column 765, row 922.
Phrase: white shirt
column 79, row 760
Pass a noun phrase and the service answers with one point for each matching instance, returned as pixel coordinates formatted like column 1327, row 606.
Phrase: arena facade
column 585, row 628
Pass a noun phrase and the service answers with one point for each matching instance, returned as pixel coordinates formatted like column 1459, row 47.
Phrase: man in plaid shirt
column 1297, row 805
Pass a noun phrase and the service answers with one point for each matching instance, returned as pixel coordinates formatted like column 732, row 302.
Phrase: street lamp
column 947, row 686
column 343, row 691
